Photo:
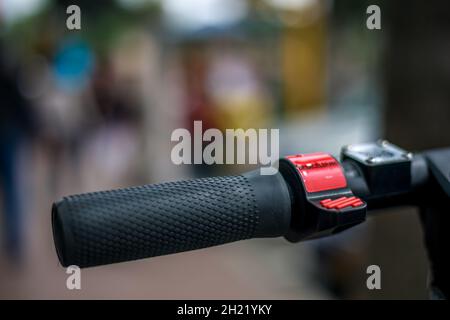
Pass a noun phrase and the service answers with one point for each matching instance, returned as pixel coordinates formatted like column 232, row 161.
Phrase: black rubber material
column 120, row 225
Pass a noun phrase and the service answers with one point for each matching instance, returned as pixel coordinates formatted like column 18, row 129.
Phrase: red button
column 341, row 203
column 319, row 171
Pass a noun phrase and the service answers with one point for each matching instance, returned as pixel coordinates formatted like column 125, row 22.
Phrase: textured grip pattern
column 151, row 220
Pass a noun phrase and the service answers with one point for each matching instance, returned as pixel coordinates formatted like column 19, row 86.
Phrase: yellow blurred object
column 304, row 57
column 248, row 112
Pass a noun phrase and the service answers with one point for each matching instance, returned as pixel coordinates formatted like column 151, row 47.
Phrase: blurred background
column 92, row 109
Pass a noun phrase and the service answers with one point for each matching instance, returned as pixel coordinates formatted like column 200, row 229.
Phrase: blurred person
column 15, row 124
column 65, row 109
column 113, row 140
column 109, row 99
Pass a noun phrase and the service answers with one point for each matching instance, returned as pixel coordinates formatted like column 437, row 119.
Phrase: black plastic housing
column 386, row 168
column 310, row 220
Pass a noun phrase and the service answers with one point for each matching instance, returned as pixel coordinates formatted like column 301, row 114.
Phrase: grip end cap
column 61, row 236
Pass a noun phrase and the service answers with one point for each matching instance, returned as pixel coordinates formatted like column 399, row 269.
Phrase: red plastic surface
column 341, row 203
column 319, row 171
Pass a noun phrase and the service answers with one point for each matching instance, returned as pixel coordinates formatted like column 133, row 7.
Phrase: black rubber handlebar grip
column 133, row 223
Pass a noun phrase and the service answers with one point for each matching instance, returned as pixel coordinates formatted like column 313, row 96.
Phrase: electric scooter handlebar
column 310, row 196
